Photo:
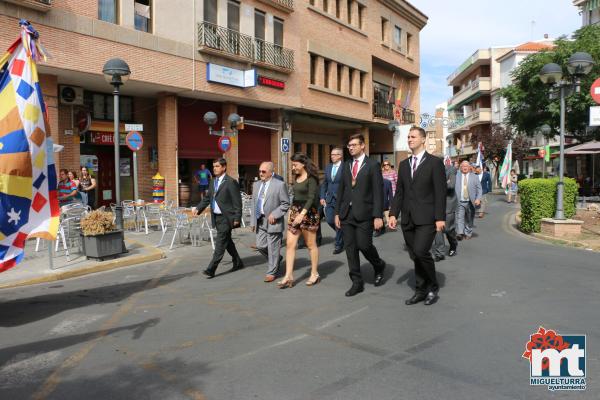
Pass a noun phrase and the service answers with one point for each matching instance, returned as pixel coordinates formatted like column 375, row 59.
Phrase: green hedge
column 538, row 200
column 537, row 174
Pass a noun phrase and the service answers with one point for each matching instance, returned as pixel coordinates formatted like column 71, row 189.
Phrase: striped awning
column 592, row 5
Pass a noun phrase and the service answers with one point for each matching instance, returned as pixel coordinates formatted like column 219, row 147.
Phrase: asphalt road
column 162, row 331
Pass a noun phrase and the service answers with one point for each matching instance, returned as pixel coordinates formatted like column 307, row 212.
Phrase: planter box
column 102, row 246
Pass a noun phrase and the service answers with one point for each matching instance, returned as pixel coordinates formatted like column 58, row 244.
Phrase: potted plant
column 99, row 237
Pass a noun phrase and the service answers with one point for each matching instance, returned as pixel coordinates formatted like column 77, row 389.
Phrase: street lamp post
column 116, row 72
column 579, row 64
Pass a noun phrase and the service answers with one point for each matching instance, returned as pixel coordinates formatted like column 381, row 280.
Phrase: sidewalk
column 142, row 248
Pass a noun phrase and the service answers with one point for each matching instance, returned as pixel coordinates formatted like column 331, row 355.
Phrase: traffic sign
column 595, row 90
column 542, row 153
column 285, row 145
column 134, row 141
column 134, row 127
column 595, row 116
column 224, row 143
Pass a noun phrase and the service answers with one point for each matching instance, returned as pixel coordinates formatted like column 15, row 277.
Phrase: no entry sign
column 595, row 90
column 224, row 143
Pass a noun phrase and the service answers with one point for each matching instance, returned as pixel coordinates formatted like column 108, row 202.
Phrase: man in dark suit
column 328, row 195
column 359, row 210
column 421, row 198
column 450, row 229
column 225, row 200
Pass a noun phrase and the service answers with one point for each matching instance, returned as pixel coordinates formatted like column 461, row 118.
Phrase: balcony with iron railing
column 283, row 5
column 39, row 5
column 383, row 110
column 228, row 43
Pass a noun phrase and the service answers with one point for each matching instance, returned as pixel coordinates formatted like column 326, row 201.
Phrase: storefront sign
column 595, row 116
column 134, row 127
column 105, row 138
column 224, row 143
column 230, row 76
column 264, row 81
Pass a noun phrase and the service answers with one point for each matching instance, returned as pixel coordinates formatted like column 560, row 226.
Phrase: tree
column 494, row 142
column 529, row 103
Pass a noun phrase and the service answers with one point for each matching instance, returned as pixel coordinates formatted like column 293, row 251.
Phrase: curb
column 155, row 254
column 551, row 239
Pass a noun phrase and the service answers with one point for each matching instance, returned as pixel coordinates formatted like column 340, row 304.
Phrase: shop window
column 321, row 160
column 309, row 151
column 107, row 10
column 142, row 15
column 297, row 147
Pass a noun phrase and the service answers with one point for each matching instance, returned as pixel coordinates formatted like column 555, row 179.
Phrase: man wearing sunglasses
column 270, row 202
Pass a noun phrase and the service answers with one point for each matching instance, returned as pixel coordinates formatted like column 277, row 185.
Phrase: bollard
column 119, row 217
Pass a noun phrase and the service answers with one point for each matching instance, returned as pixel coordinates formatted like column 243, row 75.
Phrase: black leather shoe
column 459, row 237
column 338, row 250
column 238, row 267
column 377, row 233
column 417, row 298
column 431, row 298
column 439, row 258
column 354, row 290
column 452, row 253
column 378, row 280
column 209, row 274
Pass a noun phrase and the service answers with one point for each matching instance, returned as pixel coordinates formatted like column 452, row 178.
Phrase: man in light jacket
column 270, row 202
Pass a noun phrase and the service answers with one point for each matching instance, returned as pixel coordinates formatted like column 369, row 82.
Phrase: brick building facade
column 326, row 69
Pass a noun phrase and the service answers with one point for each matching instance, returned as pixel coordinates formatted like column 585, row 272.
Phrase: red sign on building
column 264, row 81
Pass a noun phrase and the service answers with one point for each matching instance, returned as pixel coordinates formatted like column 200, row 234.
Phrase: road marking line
column 54, row 379
column 343, row 317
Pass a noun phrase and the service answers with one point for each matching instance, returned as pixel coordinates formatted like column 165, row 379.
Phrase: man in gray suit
column 468, row 193
column 450, row 229
column 270, row 202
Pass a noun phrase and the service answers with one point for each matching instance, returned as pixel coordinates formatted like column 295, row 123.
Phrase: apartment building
column 589, row 11
column 313, row 72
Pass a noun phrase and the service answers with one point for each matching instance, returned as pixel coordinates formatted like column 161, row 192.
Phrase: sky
column 457, row 28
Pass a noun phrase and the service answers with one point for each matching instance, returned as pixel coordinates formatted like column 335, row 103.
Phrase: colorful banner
column 505, row 168
column 28, row 198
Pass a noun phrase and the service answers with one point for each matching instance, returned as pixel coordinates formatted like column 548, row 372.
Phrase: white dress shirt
column 360, row 162
column 264, row 195
column 219, row 180
column 419, row 158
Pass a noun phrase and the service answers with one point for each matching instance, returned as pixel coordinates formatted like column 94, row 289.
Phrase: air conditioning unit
column 72, row 95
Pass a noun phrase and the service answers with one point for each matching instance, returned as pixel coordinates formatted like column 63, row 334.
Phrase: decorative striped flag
column 28, row 198
column 479, row 162
column 505, row 168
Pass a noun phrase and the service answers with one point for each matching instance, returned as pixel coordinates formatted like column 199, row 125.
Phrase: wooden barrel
column 184, row 194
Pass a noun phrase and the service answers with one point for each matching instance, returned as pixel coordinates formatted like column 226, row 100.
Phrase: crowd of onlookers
column 76, row 189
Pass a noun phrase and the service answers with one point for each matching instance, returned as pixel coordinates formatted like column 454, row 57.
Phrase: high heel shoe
column 313, row 283
column 284, row 284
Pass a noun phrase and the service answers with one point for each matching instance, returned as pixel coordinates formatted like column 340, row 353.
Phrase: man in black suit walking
column 225, row 201
column 421, row 198
column 359, row 210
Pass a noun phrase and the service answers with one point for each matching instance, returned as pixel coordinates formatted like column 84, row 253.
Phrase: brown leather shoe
column 269, row 278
